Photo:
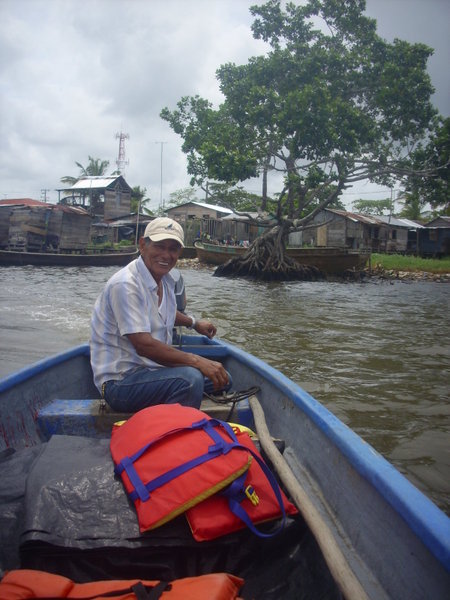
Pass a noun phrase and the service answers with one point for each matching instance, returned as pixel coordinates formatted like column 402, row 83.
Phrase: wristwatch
column 194, row 321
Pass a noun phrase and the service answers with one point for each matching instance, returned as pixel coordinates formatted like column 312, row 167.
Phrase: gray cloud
column 73, row 73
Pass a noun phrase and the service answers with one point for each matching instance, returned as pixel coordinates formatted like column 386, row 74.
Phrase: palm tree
column 95, row 168
column 138, row 200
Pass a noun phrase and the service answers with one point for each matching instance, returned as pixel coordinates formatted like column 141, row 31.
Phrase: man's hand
column 213, row 370
column 205, row 327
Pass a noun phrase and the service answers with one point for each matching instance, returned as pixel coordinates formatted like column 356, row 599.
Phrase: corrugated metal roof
column 440, row 218
column 205, row 205
column 253, row 215
column 72, row 209
column 378, row 220
column 24, row 202
column 235, row 217
column 93, row 182
column 368, row 219
column 400, row 222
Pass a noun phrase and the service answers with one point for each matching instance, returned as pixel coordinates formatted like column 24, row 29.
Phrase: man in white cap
column 132, row 357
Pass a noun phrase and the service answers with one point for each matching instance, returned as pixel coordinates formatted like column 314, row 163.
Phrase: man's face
column 159, row 257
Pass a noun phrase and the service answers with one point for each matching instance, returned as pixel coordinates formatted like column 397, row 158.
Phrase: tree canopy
column 373, row 207
column 95, row 167
column 182, row 196
column 330, row 104
column 434, row 190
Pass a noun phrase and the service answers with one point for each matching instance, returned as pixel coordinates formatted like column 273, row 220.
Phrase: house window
column 394, row 234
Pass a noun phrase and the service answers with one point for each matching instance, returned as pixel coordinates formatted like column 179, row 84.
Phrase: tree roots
column 266, row 260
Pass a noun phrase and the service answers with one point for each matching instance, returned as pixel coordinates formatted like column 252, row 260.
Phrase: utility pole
column 161, row 201
column 44, row 194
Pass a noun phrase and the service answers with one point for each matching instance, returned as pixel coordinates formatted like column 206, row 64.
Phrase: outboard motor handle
column 180, row 291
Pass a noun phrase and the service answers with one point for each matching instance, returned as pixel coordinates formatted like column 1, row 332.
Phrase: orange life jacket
column 171, row 457
column 26, row 584
column 252, row 501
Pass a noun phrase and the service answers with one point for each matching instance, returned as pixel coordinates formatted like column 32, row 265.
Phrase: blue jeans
column 142, row 387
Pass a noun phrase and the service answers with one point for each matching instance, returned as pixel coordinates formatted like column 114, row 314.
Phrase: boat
column 60, row 259
column 331, row 261
column 363, row 530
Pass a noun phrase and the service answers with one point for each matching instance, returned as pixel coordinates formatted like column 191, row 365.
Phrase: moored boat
column 395, row 541
column 61, row 259
column 332, row 261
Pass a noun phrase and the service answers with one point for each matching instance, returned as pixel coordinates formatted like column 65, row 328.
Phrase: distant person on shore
column 132, row 357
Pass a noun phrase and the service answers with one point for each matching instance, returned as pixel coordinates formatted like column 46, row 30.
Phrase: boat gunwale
column 307, row 250
column 18, row 258
column 427, row 520
column 30, row 371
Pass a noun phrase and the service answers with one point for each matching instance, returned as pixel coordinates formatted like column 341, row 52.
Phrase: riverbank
column 409, row 268
column 392, row 274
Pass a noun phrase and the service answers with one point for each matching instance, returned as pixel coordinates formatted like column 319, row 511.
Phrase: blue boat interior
column 63, row 510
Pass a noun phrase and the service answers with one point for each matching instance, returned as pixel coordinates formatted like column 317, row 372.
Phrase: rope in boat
column 232, row 397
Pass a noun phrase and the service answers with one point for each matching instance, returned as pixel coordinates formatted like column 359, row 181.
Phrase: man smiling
column 132, row 357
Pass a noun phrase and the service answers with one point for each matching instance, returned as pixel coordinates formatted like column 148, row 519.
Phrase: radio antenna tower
column 121, row 162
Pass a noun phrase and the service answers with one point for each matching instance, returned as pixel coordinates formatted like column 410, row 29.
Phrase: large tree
column 330, row 104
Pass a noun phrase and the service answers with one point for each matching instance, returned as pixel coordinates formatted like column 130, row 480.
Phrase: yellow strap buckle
column 252, row 495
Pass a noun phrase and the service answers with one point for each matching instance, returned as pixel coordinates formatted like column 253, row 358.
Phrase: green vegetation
column 109, row 246
column 400, row 262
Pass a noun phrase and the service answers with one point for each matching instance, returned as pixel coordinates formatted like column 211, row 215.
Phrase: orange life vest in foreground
column 171, row 457
column 26, row 584
column 253, row 502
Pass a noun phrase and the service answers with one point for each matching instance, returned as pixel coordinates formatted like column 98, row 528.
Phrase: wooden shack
column 199, row 218
column 105, row 197
column 5, row 213
column 28, row 228
column 71, row 225
column 197, row 210
column 342, row 229
column 49, row 228
column 433, row 240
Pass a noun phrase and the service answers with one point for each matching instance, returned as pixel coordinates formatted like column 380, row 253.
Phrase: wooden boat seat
column 92, row 417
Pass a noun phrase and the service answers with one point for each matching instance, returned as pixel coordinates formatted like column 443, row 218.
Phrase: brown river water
column 376, row 354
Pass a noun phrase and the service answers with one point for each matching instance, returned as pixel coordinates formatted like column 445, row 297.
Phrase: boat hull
column 48, row 259
column 395, row 539
column 332, row 261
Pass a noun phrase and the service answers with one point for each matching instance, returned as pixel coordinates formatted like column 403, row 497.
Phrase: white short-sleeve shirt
column 129, row 304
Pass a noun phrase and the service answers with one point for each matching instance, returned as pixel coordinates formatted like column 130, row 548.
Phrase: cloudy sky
column 74, row 73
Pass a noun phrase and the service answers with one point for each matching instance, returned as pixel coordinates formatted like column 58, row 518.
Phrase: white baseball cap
column 163, row 228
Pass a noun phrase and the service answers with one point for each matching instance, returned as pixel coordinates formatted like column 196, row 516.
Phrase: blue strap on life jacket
column 234, row 492
column 237, row 491
column 142, row 490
